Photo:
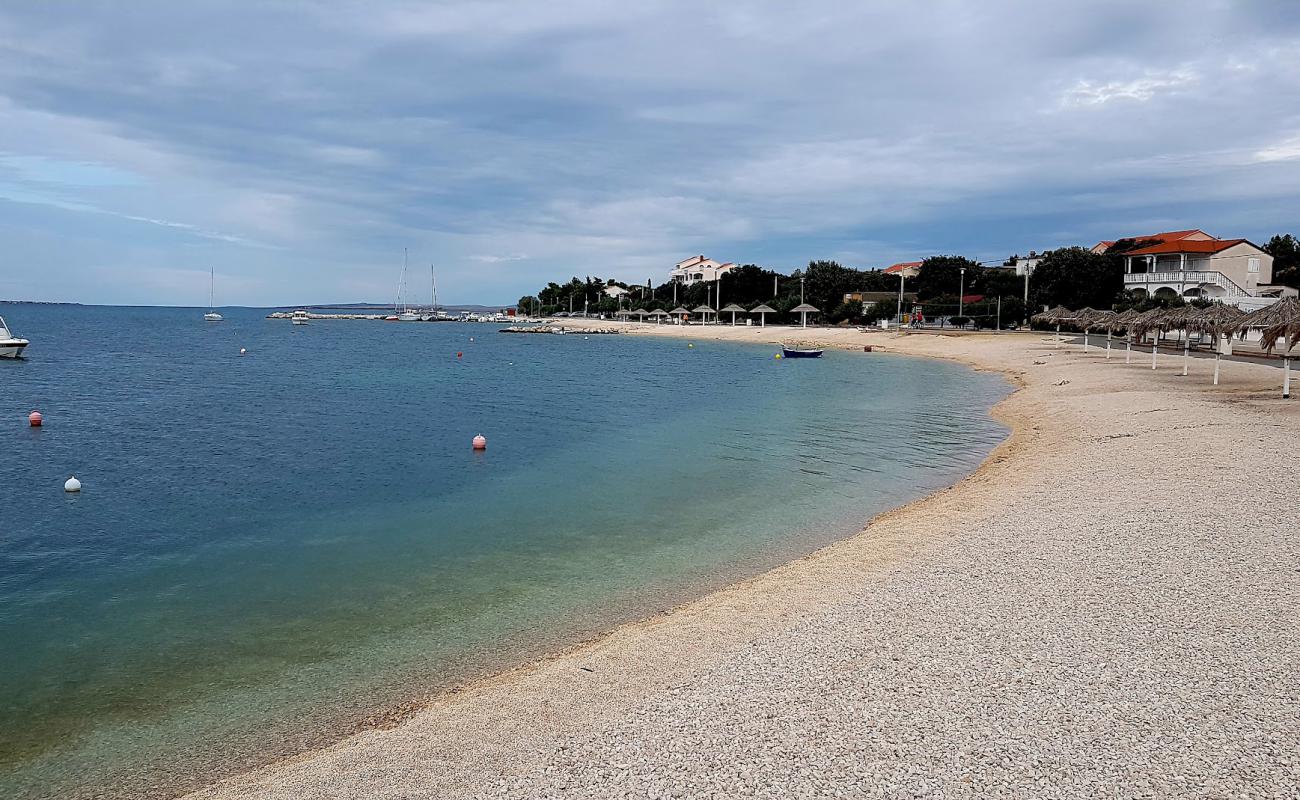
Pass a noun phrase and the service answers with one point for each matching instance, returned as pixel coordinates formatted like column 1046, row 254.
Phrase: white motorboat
column 212, row 315
column 300, row 317
column 10, row 346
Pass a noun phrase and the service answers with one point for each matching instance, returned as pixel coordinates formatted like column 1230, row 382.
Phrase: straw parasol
column 1122, row 321
column 704, row 312
column 681, row 311
column 1284, row 310
column 1219, row 320
column 804, row 310
column 1284, row 316
column 1177, row 319
column 734, row 309
column 1054, row 316
column 1144, row 323
column 659, row 314
column 1101, row 320
column 1083, row 318
column 762, row 310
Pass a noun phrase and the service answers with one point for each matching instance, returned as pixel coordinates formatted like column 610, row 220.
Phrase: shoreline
column 471, row 737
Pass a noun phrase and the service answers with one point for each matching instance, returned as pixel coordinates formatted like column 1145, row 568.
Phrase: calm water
column 270, row 547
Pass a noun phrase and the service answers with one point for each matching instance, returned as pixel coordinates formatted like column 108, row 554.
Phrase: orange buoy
column 35, row 419
column 480, row 442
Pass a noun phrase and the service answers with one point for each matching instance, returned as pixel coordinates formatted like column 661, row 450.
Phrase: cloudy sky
column 298, row 147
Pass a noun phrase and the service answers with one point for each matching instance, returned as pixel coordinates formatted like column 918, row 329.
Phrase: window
column 1252, row 265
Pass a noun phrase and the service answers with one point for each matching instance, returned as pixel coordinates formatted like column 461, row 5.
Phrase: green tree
column 1075, row 277
column 941, row 275
column 1285, row 250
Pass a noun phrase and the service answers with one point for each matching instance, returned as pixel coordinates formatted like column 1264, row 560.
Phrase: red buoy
column 458, row 354
column 480, row 442
column 35, row 419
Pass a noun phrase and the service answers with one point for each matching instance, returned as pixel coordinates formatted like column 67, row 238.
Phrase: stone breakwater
column 1107, row 608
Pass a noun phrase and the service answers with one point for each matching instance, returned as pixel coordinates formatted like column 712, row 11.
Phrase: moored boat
column 796, row 352
column 10, row 346
column 300, row 318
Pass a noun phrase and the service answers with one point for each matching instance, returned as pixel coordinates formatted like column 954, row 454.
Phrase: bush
column 959, row 322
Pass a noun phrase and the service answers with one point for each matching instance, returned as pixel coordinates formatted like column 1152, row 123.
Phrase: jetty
column 557, row 329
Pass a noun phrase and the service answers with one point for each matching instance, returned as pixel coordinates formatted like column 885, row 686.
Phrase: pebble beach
column 1107, row 607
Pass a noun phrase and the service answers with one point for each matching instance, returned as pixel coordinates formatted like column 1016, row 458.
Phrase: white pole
column 1154, row 341
column 1128, row 348
column 1085, row 338
column 1216, row 359
column 1058, row 335
column 1286, row 377
column 1108, row 344
column 1187, row 353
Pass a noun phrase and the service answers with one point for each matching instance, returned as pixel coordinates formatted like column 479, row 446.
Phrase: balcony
column 1179, row 282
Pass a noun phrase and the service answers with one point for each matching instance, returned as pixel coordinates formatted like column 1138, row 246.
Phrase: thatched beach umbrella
column 1284, row 316
column 1287, row 331
column 659, row 315
column 1121, row 321
column 681, row 311
column 1144, row 323
column 704, row 312
column 1054, row 316
column 1101, row 321
column 762, row 310
column 1218, row 320
column 1082, row 318
column 1177, row 319
column 734, row 309
column 804, row 310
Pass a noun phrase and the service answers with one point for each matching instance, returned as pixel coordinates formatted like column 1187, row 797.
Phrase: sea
column 284, row 531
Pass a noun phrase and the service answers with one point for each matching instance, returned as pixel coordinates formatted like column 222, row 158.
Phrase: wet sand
column 1106, row 607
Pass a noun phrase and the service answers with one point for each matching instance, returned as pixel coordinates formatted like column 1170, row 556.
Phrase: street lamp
column 961, row 292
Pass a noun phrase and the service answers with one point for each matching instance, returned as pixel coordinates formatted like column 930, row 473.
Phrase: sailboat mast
column 212, row 288
column 433, row 281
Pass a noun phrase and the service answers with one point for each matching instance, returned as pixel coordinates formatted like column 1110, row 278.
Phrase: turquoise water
column 270, row 548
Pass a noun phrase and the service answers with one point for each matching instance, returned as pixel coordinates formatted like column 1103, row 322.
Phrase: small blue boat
column 791, row 352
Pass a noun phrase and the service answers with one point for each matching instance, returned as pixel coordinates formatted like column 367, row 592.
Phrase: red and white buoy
column 480, row 442
column 35, row 419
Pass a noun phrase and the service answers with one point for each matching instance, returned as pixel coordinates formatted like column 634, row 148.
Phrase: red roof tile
column 902, row 266
column 1193, row 246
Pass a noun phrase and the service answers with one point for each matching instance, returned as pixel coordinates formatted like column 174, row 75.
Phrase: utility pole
column 898, row 316
column 998, row 329
column 775, row 290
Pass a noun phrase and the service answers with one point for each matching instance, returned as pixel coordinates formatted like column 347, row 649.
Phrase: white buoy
column 243, row 352
column 72, row 485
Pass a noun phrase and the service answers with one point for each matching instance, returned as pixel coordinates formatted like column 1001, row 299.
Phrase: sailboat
column 402, row 313
column 212, row 315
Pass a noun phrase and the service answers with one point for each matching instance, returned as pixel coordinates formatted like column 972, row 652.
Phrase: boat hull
column 12, row 348
column 788, row 353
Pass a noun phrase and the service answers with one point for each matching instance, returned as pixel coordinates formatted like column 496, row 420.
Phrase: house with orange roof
column 1193, row 264
column 908, row 269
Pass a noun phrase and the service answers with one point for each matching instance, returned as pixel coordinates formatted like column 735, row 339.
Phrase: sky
column 297, row 148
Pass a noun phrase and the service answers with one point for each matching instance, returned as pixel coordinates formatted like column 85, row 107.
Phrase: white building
column 1193, row 264
column 1025, row 265
column 614, row 291
column 698, row 268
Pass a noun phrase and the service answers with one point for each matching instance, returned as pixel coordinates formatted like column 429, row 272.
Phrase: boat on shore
column 10, row 346
column 797, row 352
